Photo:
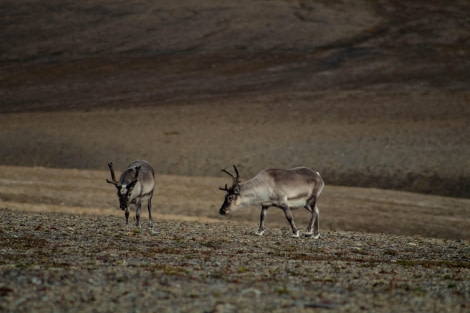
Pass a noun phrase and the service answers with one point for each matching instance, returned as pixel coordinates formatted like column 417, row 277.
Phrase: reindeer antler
column 235, row 179
column 114, row 182
column 227, row 172
column 236, row 171
column 225, row 188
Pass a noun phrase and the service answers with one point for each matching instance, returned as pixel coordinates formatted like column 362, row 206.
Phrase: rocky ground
column 64, row 248
column 61, row 262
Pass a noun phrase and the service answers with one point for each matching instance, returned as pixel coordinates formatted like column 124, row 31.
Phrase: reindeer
column 135, row 185
column 286, row 189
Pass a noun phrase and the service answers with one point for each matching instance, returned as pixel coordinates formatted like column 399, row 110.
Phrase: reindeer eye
column 230, row 198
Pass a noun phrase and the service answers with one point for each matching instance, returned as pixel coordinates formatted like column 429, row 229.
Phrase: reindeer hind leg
column 313, row 226
column 309, row 232
column 316, row 225
column 149, row 207
column 262, row 229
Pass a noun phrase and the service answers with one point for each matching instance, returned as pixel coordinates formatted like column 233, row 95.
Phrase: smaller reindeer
column 135, row 185
column 286, row 189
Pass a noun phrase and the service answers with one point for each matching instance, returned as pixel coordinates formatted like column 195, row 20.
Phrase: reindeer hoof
column 316, row 236
column 295, row 235
column 309, row 234
column 260, row 232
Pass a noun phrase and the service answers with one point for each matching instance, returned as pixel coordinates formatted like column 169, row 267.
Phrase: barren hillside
column 369, row 93
column 63, row 55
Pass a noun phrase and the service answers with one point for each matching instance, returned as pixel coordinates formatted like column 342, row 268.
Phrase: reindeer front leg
column 262, row 217
column 290, row 219
column 126, row 214
column 138, row 206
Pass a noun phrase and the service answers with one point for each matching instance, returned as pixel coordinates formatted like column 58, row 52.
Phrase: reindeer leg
column 138, row 205
column 149, row 207
column 126, row 214
column 262, row 217
column 316, row 226
column 290, row 219
column 309, row 232
column 313, row 226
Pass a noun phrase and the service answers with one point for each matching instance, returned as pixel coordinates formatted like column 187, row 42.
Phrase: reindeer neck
column 250, row 191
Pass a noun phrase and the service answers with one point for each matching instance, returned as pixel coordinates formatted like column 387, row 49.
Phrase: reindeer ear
column 236, row 190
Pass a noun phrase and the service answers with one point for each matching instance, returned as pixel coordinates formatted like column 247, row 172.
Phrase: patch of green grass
column 326, row 280
column 368, row 264
column 408, row 263
column 390, row 252
column 361, row 252
column 417, row 291
column 283, row 291
column 172, row 270
column 217, row 275
column 211, row 244
column 179, row 239
column 166, row 250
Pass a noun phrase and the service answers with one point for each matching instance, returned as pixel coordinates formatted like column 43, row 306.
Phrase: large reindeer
column 286, row 189
column 135, row 185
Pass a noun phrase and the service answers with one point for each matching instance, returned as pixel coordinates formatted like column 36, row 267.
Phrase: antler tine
column 113, row 177
column 110, row 165
column 227, row 172
column 236, row 171
column 235, row 179
column 225, row 188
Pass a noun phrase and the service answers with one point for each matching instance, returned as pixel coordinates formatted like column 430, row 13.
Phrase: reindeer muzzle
column 122, row 205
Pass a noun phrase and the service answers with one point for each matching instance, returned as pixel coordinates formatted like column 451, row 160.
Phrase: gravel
column 59, row 262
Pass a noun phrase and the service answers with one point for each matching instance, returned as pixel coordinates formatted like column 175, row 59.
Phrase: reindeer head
column 123, row 190
column 232, row 192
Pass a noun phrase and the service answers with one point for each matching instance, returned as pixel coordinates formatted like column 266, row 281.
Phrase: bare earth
column 374, row 95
